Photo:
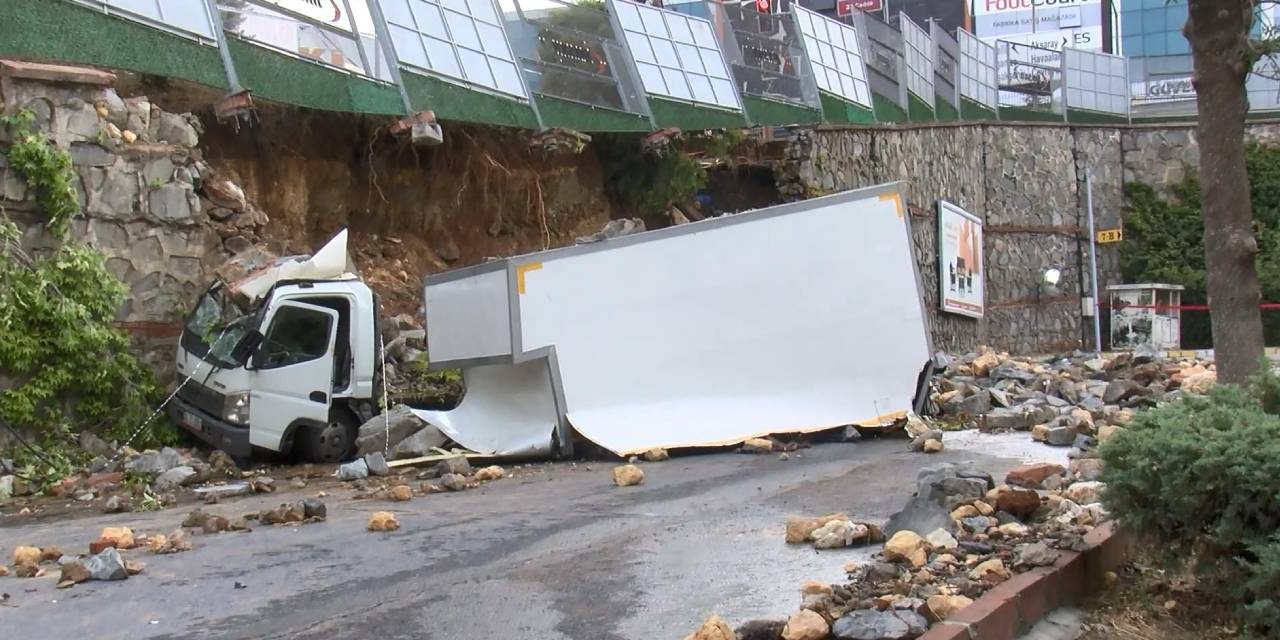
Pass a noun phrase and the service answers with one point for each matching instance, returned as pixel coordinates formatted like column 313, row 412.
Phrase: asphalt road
column 556, row 552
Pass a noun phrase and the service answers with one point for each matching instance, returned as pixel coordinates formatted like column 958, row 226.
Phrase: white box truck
column 789, row 319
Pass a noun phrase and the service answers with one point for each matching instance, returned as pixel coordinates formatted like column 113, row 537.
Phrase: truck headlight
column 235, row 408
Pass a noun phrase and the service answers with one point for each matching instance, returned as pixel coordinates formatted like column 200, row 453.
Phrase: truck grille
column 202, row 398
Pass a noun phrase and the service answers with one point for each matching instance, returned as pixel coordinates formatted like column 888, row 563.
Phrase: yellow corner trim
column 523, row 269
column 897, row 201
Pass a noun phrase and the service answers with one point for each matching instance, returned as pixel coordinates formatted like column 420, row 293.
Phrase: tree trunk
column 1218, row 31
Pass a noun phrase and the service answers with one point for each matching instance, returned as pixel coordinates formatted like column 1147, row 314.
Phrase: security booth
column 1145, row 314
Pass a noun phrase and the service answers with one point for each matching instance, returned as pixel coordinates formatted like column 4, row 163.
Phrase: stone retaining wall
column 1027, row 183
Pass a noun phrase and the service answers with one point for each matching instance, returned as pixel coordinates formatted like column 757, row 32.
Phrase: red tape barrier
column 1266, row 306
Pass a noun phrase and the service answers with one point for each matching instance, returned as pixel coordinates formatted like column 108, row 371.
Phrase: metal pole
column 383, row 34
column 1093, row 261
column 228, row 65
column 355, row 31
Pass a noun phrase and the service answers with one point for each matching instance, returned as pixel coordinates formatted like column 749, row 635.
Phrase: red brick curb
column 1012, row 607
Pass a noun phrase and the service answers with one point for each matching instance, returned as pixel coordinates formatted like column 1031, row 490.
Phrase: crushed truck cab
column 294, row 364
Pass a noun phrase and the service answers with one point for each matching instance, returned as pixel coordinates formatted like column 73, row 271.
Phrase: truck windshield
column 216, row 325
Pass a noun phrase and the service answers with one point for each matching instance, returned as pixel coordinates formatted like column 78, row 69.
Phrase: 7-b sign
column 1110, row 235
column 847, row 7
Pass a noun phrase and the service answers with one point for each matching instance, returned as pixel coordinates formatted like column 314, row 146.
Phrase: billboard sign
column 327, row 12
column 960, row 268
column 847, row 7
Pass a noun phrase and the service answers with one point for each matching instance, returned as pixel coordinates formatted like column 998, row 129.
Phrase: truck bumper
column 234, row 439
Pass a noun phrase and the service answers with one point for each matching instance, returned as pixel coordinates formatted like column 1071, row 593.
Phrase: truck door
column 293, row 371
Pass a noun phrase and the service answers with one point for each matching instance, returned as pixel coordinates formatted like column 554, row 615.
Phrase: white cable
column 194, row 370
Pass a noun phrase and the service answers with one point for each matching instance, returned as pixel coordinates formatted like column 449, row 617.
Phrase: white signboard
column 960, row 266
column 988, row 7
column 328, row 12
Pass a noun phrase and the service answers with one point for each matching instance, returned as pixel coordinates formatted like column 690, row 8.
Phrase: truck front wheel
column 334, row 441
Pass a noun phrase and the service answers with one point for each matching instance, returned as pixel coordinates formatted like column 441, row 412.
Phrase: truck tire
column 333, row 442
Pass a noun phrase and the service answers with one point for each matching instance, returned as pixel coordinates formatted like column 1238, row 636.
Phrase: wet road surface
column 556, row 552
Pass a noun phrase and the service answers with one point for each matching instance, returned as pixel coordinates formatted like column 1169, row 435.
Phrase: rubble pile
column 1067, row 401
column 960, row 535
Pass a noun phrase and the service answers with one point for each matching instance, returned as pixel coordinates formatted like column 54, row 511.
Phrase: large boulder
column 381, row 431
column 155, row 462
column 419, row 444
column 869, row 624
column 939, row 489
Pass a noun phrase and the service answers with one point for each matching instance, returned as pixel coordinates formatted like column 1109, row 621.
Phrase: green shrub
column 68, row 367
column 1164, row 241
column 1201, row 477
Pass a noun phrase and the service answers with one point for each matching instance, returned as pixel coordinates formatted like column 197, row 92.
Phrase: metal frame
column 621, row 32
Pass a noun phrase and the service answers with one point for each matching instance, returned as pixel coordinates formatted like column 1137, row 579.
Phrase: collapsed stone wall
column 143, row 188
column 1028, row 184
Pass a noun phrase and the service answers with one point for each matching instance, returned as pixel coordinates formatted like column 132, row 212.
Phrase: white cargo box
column 794, row 318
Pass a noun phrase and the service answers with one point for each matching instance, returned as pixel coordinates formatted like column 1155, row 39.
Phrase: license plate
column 192, row 421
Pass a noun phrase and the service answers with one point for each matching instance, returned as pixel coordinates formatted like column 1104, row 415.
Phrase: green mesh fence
column 581, row 117
column 970, row 110
column 945, row 111
column 669, row 113
column 775, row 113
column 837, row 111
column 454, row 102
column 284, row 78
column 59, row 30
column 918, row 110
column 888, row 110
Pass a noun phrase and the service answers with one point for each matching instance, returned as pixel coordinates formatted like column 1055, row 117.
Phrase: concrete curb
column 1015, row 605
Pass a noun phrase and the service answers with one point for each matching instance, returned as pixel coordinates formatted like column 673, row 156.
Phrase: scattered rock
column 1013, row 529
column 932, row 445
column 991, row 572
column 942, row 539
column 377, row 464
column 383, row 521
column 866, row 624
column 1060, row 436
column 761, row 630
column 314, row 509
column 627, row 475
column 657, row 454
column 180, row 476
column 940, row 607
column 106, row 565
column 713, row 629
column 1199, row 383
column 26, row 555
column 401, row 493
column 1086, row 468
column 453, row 482
column 357, row 469
column 493, row 472
column 1017, row 501
column 457, row 464
column 757, row 445
column 838, row 534
column 805, row 625
column 383, row 432
column 419, row 444
column 222, row 463
column 1033, row 475
column 800, row 529
column 117, row 537
column 1085, row 492
column 173, row 543
column 1108, row 431
column 1035, row 554
column 155, row 462
column 73, row 573
column 27, row 570
column 219, row 491
column 116, row 504
column 906, row 546
column 298, row 483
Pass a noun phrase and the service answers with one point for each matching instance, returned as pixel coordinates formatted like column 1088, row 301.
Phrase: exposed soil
column 1149, row 603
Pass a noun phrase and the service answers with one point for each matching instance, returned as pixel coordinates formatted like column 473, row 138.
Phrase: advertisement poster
column 959, row 260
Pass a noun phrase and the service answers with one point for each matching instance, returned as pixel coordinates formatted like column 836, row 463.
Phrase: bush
column 1164, row 241
column 1200, row 476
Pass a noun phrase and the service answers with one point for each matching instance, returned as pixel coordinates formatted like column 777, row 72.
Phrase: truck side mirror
column 245, row 348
